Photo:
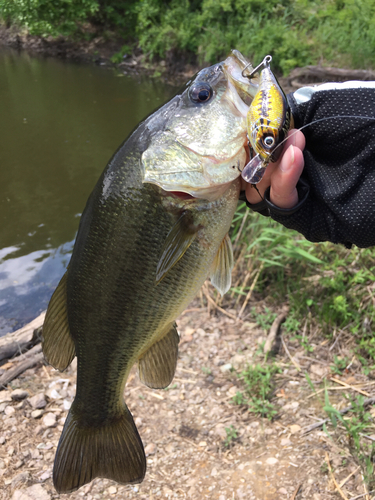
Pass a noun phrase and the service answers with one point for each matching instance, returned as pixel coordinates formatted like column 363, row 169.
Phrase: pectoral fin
column 179, row 238
column 221, row 269
column 58, row 345
column 158, row 365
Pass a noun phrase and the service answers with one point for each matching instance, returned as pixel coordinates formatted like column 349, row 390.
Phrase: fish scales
column 142, row 252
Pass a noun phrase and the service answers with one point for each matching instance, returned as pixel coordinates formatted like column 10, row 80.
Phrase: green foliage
column 295, row 32
column 257, row 382
column 356, row 426
column 48, row 17
column 231, row 436
column 339, row 364
column 264, row 320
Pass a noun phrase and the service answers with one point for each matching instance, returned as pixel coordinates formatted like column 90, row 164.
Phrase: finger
column 285, row 177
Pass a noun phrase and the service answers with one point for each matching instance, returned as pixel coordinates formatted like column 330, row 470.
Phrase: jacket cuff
column 303, row 190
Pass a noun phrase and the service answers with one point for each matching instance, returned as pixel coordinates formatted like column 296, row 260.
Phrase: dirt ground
column 184, row 428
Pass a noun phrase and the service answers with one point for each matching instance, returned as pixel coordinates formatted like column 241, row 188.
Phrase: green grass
column 257, row 389
column 325, row 285
column 356, row 424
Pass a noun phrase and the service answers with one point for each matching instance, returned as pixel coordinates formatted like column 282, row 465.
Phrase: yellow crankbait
column 268, row 122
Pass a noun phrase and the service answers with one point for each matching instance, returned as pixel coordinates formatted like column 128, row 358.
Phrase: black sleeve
column 337, row 187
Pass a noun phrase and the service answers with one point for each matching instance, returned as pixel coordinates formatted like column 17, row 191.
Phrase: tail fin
column 114, row 451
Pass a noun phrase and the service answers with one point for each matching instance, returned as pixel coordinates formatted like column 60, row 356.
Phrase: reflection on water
column 60, row 122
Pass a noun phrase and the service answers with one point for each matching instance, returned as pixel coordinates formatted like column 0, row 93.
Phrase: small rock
column 9, row 410
column 286, row 442
column 294, row 428
column 18, row 464
column 37, row 413
column 38, row 401
column 34, row 492
column 112, row 490
column 150, row 449
column 214, row 472
column 2, row 440
column 67, row 404
column 202, row 444
column 318, row 370
column 138, row 422
column 53, row 394
column 226, row 368
column 5, row 397
column 10, row 451
column 21, row 479
column 49, row 420
column 19, row 394
column 45, row 446
column 46, row 475
column 283, row 491
column 271, row 461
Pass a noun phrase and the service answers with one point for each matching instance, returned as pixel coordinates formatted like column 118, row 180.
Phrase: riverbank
column 99, row 51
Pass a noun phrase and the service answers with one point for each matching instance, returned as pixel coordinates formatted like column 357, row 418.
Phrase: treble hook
column 266, row 62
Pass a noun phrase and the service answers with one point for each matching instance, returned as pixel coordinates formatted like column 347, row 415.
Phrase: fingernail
column 288, row 159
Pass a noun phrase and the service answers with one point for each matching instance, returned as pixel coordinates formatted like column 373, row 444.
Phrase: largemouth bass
column 154, row 228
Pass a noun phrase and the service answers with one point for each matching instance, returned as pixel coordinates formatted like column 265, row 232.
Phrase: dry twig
column 349, row 386
column 334, row 480
column 289, row 355
column 274, row 330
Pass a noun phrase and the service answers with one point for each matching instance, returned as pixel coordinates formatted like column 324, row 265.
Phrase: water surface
column 60, row 122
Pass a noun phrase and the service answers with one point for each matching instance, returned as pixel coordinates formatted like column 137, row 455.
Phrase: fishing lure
column 268, row 122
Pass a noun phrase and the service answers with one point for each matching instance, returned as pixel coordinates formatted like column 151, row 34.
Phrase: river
column 60, row 122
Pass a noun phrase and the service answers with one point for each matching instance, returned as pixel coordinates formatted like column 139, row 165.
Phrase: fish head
column 202, row 147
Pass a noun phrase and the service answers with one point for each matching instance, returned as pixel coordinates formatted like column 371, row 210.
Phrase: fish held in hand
column 154, row 228
column 268, row 122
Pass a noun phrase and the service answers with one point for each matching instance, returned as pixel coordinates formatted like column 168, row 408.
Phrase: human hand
column 282, row 175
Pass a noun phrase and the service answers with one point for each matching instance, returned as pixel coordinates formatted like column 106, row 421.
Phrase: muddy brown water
column 60, row 122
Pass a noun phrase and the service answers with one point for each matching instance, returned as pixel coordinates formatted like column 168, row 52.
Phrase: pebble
column 150, row 449
column 37, row 413
column 19, row 394
column 271, row 461
column 5, row 397
column 294, row 428
column 38, row 401
column 49, row 420
column 2, row 440
column 112, row 490
column 34, row 492
column 9, row 410
column 226, row 368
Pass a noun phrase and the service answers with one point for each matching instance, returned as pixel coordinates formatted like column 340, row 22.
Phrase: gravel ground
column 184, row 428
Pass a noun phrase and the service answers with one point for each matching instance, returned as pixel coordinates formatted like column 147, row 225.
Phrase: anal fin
column 112, row 450
column 221, row 269
column 157, row 366
column 58, row 345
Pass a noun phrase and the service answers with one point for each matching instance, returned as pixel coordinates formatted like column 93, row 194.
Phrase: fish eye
column 269, row 141
column 200, row 92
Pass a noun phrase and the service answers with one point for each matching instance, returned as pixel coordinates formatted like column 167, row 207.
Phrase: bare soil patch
column 185, row 428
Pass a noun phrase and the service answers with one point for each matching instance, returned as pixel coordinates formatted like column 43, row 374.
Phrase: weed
column 355, row 426
column 339, row 365
column 257, row 382
column 231, row 436
column 304, row 341
column 264, row 320
column 206, row 370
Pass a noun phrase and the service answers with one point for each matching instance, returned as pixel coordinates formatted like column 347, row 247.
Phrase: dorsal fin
column 157, row 366
column 179, row 238
column 221, row 269
column 58, row 345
